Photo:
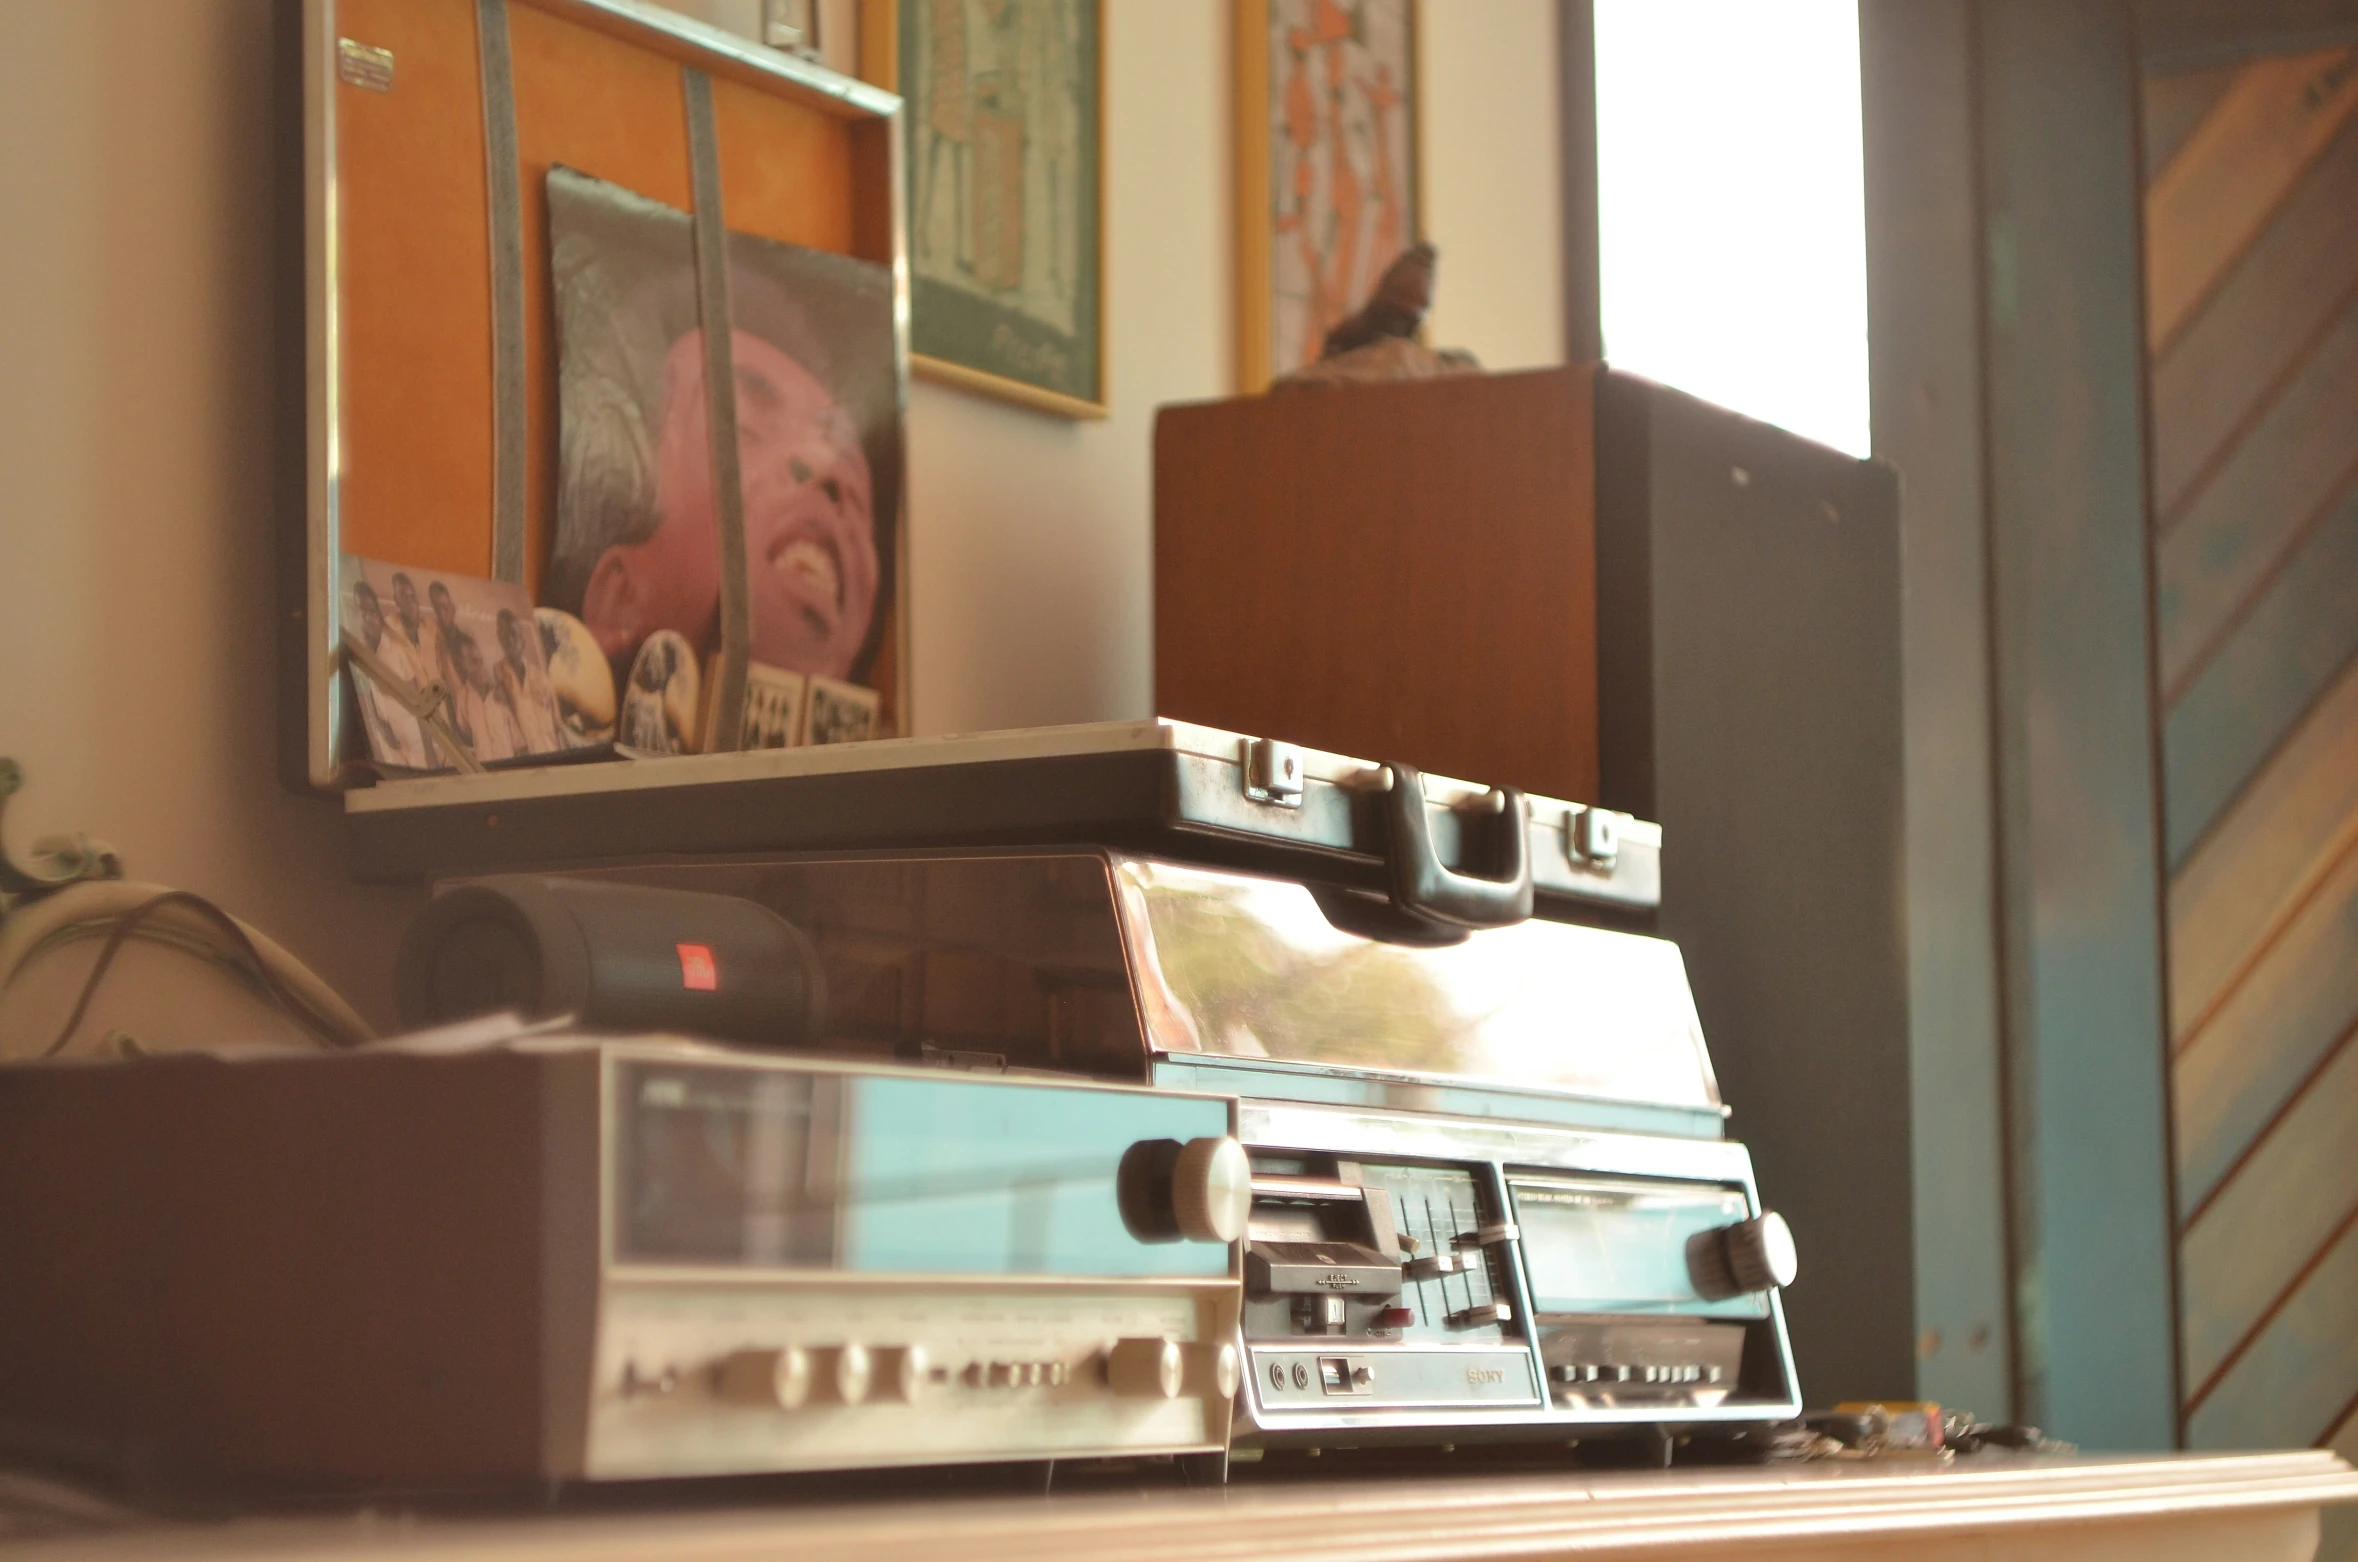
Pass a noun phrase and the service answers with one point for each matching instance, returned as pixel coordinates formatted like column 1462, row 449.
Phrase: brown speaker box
column 1402, row 572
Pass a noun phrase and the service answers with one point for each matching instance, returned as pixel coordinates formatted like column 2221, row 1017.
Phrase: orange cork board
column 414, row 244
column 416, row 291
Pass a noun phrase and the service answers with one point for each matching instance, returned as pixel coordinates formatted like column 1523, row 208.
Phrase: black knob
column 1751, row 1255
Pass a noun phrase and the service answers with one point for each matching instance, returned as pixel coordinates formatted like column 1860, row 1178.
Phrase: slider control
column 1434, row 1266
column 1488, row 1236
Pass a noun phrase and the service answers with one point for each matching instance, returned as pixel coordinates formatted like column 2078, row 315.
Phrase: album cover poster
column 473, row 639
column 636, row 545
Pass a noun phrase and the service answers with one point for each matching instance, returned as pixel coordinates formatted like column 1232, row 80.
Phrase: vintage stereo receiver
column 553, row 1258
column 1492, row 1196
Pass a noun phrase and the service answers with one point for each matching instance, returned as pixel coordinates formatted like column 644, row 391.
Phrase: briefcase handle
column 1429, row 892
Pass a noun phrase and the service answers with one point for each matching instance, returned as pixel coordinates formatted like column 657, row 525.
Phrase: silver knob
column 902, row 1371
column 1751, row 1255
column 843, row 1373
column 1212, row 1371
column 1146, row 1369
column 1212, row 1190
column 777, row 1379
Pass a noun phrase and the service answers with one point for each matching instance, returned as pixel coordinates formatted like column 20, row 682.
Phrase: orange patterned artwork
column 1342, row 197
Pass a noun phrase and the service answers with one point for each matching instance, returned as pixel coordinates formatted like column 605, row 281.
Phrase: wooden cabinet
column 1400, row 571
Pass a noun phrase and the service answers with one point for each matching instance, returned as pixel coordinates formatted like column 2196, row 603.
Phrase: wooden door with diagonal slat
column 2251, row 238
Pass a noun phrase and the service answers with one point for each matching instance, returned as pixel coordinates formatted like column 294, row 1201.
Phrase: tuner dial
column 1212, row 1190
column 1751, row 1255
column 1146, row 1369
column 764, row 1379
column 1201, row 1191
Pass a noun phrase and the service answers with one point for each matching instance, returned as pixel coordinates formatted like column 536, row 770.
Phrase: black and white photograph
column 775, row 701
column 839, row 713
column 465, row 647
column 660, row 703
column 583, row 683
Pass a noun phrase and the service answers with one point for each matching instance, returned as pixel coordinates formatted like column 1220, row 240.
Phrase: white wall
column 136, row 449
column 1031, row 552
column 1493, row 179
column 136, row 443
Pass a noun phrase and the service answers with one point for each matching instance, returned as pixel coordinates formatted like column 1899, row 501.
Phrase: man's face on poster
column 372, row 616
column 405, row 602
column 470, row 664
column 810, row 536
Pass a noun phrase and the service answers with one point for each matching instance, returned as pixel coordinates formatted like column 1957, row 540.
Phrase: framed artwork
column 1328, row 169
column 519, row 384
column 1004, row 183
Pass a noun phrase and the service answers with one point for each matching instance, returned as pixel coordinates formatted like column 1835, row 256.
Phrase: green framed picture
column 1003, row 188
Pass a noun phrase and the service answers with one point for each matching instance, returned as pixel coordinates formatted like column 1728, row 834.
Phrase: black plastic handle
column 1424, row 889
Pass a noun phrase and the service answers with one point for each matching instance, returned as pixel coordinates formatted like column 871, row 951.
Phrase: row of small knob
column 788, row 1377
column 1592, row 1372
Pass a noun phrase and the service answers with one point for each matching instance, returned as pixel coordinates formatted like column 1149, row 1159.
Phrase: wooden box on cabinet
column 1401, row 571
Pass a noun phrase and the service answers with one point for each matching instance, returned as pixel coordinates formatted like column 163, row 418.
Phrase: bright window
column 1731, row 206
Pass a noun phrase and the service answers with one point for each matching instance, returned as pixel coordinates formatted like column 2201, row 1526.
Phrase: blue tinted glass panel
column 949, row 1174
column 1622, row 1247
column 785, row 1168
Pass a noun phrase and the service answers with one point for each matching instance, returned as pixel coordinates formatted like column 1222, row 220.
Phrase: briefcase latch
column 1273, row 772
column 1592, row 836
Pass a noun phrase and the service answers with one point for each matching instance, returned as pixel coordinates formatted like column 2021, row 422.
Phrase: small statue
column 1379, row 343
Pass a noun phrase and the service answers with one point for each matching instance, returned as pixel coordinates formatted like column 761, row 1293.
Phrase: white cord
column 92, row 908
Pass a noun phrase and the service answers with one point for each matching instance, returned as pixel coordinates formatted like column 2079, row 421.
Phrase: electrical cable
column 129, row 924
column 89, row 909
column 150, row 911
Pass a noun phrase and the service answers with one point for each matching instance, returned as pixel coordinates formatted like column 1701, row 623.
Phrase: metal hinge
column 1273, row 772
